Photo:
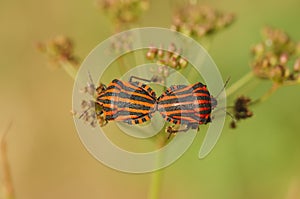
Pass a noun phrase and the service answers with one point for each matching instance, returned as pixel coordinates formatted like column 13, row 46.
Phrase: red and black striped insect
column 134, row 103
column 129, row 102
column 186, row 105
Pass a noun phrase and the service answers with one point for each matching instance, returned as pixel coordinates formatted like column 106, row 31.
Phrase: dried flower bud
column 150, row 55
column 241, row 108
column 59, row 49
column 152, row 52
column 283, row 58
column 276, row 36
column 160, row 53
column 297, row 65
column 170, row 57
column 124, row 12
column 233, row 124
column 198, row 21
column 258, row 49
column 278, row 73
column 172, row 63
column 183, row 62
column 273, row 55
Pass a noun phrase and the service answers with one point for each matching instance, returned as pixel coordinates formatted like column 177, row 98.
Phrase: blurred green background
column 258, row 160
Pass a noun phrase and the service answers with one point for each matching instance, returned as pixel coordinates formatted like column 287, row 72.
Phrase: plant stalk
column 7, row 179
column 69, row 69
column 241, row 82
column 156, row 179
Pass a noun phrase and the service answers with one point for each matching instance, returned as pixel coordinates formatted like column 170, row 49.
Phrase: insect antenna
column 91, row 79
column 230, row 115
column 227, row 113
column 139, row 78
column 223, row 87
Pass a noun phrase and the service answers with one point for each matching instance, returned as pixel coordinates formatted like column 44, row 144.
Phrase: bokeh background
column 259, row 159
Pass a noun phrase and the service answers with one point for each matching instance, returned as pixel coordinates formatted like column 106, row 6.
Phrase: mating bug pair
column 134, row 103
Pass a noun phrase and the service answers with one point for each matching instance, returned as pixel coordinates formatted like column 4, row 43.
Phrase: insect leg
column 99, row 114
column 172, row 130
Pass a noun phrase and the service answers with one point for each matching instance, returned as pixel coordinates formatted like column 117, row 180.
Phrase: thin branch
column 7, row 179
column 267, row 94
column 69, row 68
column 237, row 85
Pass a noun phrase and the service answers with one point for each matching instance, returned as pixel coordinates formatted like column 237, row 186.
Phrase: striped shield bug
column 186, row 105
column 189, row 105
column 129, row 102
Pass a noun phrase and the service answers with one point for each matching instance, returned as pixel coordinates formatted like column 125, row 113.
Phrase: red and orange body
column 190, row 105
column 129, row 102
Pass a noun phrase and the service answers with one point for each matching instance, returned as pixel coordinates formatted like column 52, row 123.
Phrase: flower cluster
column 89, row 115
column 122, row 43
column 170, row 57
column 277, row 57
column 59, row 49
column 123, row 11
column 198, row 21
column 87, row 112
column 241, row 110
column 165, row 59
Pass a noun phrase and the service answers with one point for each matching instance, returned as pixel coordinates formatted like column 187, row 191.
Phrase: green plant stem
column 69, row 68
column 155, row 185
column 156, row 176
column 7, row 179
column 267, row 94
column 241, row 82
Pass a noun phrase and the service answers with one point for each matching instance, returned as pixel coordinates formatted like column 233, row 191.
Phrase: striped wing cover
column 130, row 102
column 190, row 105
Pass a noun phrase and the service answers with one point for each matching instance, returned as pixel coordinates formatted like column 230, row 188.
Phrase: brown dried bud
column 197, row 21
column 278, row 73
column 123, row 11
column 160, row 53
column 58, row 49
column 241, row 108
column 283, row 59
column 233, row 124
column 150, row 55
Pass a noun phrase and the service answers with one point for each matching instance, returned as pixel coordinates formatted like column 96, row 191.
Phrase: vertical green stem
column 157, row 176
column 155, row 186
column 7, row 184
